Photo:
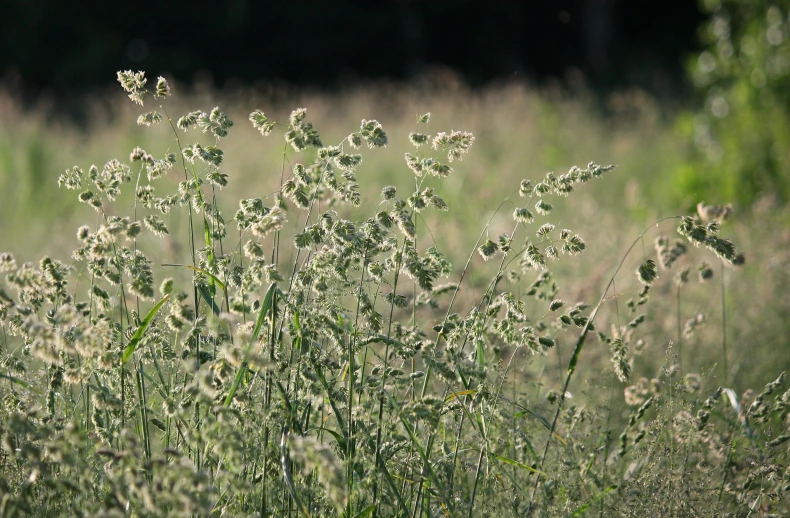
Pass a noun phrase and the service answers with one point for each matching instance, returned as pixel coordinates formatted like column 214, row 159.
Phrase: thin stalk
column 724, row 327
column 379, row 425
column 577, row 352
column 607, row 434
column 489, row 296
column 192, row 247
column 143, row 414
column 477, row 478
column 413, row 388
column 680, row 333
column 367, row 349
column 458, row 288
column 264, row 473
column 123, row 371
column 726, row 469
column 352, row 342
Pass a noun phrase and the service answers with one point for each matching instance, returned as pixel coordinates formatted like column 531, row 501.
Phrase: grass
column 320, row 337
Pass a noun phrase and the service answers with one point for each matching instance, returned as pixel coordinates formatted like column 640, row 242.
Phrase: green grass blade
column 320, row 373
column 390, row 482
column 14, row 379
column 542, row 420
column 289, row 407
column 204, row 272
column 341, row 441
column 207, row 236
column 515, row 463
column 268, row 300
column 481, row 357
column 510, row 476
column 584, row 508
column 423, row 455
column 454, row 395
column 204, row 292
column 138, row 335
column 534, row 414
column 364, row 513
column 287, row 474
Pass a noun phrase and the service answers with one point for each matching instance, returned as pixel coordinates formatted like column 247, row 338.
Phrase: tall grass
column 318, row 354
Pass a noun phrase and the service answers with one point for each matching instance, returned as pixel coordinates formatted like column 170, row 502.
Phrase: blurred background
column 689, row 99
column 61, row 47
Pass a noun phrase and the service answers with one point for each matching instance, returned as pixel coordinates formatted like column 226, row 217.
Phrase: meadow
column 273, row 313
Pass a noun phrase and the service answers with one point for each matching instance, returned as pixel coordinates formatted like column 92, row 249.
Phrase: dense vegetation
column 317, row 350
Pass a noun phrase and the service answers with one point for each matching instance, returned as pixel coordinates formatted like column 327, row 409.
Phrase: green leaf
column 138, row 335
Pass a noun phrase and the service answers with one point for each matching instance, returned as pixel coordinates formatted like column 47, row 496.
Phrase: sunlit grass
column 386, row 358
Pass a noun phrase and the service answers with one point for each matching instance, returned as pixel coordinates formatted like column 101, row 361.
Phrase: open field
column 334, row 376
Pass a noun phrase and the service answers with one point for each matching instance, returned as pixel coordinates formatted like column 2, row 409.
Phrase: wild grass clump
column 314, row 364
